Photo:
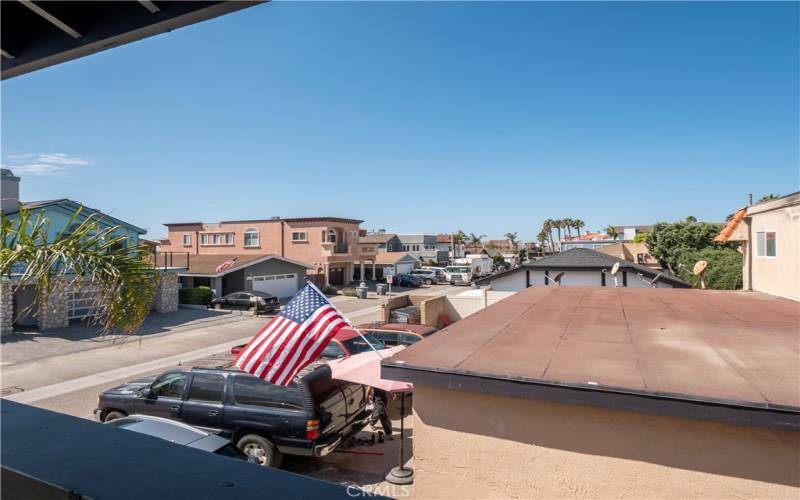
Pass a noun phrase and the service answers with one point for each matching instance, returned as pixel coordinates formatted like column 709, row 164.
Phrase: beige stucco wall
column 472, row 445
column 779, row 275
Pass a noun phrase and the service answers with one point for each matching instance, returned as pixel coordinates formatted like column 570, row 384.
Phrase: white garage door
column 404, row 268
column 279, row 285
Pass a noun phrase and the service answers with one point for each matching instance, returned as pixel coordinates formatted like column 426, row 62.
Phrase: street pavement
column 63, row 374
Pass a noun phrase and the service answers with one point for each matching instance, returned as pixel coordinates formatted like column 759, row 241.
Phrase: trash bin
column 361, row 291
column 381, row 288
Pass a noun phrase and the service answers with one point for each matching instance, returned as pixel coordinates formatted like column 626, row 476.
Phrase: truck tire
column 261, row 449
column 113, row 415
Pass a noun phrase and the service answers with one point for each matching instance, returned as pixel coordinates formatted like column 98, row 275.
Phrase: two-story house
column 423, row 247
column 271, row 255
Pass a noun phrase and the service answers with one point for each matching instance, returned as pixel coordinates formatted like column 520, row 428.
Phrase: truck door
column 203, row 404
column 166, row 396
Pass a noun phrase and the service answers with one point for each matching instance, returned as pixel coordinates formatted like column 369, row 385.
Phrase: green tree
column 611, row 232
column 691, row 219
column 578, row 224
column 568, row 224
column 88, row 255
column 512, row 237
column 640, row 238
column 668, row 242
column 459, row 236
column 475, row 239
column 542, row 239
column 768, row 197
column 724, row 270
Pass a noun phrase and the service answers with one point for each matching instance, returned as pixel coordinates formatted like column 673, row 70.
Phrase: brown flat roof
column 733, row 348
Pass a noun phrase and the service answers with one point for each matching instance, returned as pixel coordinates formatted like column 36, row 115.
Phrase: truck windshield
column 457, row 269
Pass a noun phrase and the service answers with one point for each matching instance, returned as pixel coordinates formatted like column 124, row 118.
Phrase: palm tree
column 542, row 238
column 547, row 227
column 611, row 232
column 458, row 236
column 578, row 224
column 568, row 226
column 512, row 237
column 82, row 254
column 558, row 223
column 691, row 219
column 475, row 239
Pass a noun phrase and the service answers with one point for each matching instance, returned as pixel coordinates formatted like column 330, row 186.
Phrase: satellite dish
column 699, row 267
column 698, row 270
column 615, row 269
column 652, row 282
column 558, row 277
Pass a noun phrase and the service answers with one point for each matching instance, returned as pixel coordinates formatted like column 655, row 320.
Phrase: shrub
column 200, row 295
column 329, row 290
column 350, row 292
column 724, row 271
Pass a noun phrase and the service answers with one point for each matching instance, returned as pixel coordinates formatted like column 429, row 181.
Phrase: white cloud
column 43, row 163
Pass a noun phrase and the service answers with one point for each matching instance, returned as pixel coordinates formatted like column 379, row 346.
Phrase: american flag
column 292, row 339
column 225, row 265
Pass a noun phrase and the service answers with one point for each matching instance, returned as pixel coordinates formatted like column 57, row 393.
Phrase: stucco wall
column 472, row 445
column 778, row 275
column 516, row 282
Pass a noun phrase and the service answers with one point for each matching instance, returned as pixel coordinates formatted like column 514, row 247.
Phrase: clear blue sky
column 423, row 117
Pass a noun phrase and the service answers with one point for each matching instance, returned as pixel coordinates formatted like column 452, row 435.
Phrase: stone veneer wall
column 167, row 293
column 6, row 308
column 53, row 309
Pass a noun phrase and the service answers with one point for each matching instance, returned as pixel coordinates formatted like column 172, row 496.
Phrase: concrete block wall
column 6, row 308
column 167, row 293
column 393, row 303
column 431, row 309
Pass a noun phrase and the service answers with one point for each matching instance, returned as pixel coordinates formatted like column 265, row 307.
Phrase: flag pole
column 354, row 327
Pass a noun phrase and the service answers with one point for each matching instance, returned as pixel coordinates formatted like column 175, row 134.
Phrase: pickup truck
column 310, row 417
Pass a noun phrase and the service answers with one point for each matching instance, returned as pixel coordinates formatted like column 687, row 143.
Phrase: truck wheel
column 261, row 449
column 113, row 415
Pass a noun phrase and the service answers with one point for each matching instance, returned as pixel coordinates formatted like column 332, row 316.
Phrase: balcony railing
column 340, row 248
column 170, row 260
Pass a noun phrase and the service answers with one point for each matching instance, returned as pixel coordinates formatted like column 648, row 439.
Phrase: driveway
column 79, row 336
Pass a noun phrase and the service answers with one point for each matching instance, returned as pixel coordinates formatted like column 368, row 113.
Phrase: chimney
column 9, row 191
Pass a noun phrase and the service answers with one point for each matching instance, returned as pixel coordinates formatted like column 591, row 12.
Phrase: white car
column 427, row 276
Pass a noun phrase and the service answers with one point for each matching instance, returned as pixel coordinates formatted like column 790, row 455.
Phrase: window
column 299, row 236
column 250, row 391
column 332, row 351
column 169, row 385
column 206, row 387
column 217, row 239
column 251, row 238
column 187, row 240
column 765, row 244
column 331, row 236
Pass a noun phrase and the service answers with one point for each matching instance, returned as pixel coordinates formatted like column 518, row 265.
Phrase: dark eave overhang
column 39, row 34
column 675, row 405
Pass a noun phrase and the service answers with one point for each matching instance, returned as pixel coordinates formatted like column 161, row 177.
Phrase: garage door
column 404, row 268
column 279, row 285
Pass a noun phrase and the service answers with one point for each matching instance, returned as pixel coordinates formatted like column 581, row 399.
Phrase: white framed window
column 204, row 239
column 766, row 244
column 331, row 236
column 252, row 238
column 187, row 240
column 228, row 238
column 217, row 239
column 299, row 236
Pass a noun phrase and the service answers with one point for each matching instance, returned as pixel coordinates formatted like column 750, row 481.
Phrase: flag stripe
column 297, row 355
column 279, row 345
column 244, row 356
column 253, row 347
column 293, row 339
column 323, row 337
column 292, row 344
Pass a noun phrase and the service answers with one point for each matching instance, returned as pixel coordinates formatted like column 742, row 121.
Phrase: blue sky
column 423, row 117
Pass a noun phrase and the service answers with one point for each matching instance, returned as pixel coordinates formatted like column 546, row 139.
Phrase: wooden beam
column 51, row 18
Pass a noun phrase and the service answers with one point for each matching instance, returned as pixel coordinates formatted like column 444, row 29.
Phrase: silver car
column 428, row 276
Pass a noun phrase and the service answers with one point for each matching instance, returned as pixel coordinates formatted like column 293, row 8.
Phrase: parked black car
column 406, row 280
column 309, row 417
column 245, row 300
column 178, row 433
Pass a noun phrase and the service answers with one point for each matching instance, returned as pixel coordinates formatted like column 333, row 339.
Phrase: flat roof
column 730, row 355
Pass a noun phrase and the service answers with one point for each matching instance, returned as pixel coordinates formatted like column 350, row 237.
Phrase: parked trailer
column 466, row 269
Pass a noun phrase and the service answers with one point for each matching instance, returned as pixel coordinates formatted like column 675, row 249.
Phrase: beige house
column 769, row 237
column 329, row 245
column 591, row 392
